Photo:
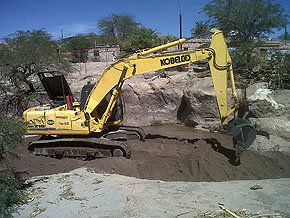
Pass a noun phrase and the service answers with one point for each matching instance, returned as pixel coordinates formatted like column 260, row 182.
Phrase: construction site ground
column 170, row 153
column 176, row 172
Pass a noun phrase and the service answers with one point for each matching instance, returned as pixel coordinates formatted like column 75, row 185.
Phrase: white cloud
column 78, row 28
column 74, row 29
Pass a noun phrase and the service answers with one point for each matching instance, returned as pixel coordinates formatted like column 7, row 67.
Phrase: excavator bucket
column 244, row 135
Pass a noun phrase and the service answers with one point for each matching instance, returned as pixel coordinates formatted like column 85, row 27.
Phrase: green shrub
column 10, row 191
column 276, row 70
column 11, row 132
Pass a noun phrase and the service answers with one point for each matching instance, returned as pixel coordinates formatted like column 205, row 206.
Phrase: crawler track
column 80, row 147
column 139, row 132
column 110, row 143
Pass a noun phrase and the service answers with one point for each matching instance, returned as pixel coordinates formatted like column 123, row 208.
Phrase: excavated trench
column 170, row 153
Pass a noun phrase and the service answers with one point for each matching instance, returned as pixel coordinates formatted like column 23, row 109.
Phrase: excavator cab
column 60, row 93
column 85, row 93
column 118, row 111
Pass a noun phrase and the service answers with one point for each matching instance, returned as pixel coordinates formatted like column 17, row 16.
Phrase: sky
column 81, row 16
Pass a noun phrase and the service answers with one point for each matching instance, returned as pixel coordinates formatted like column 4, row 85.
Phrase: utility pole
column 285, row 36
column 180, row 24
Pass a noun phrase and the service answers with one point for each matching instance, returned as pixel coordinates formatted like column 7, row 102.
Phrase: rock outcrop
column 199, row 105
column 270, row 114
column 179, row 98
column 153, row 101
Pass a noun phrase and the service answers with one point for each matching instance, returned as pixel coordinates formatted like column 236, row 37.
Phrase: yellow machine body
column 96, row 114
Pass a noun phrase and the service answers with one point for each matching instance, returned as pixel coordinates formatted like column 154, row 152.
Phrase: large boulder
column 279, row 126
column 199, row 105
column 179, row 98
column 269, row 113
column 263, row 101
column 273, row 134
column 153, row 101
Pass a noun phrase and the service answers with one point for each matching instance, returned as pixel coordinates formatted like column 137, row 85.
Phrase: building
column 104, row 53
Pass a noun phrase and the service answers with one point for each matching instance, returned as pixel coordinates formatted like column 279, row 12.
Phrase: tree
column 11, row 133
column 117, row 27
column 22, row 55
column 79, row 45
column 142, row 38
column 81, row 42
column 167, row 39
column 200, row 28
column 244, row 22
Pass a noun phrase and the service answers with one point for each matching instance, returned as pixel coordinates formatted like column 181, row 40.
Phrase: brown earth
column 170, row 153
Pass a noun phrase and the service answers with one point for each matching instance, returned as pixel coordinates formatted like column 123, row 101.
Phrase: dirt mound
column 171, row 153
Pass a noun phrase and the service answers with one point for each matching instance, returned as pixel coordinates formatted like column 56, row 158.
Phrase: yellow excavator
column 92, row 127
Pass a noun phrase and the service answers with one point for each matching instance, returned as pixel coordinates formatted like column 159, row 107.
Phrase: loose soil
column 170, row 153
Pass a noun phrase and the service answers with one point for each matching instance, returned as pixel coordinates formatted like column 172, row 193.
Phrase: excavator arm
column 150, row 60
column 112, row 79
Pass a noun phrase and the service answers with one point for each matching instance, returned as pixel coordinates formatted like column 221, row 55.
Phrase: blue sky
column 81, row 16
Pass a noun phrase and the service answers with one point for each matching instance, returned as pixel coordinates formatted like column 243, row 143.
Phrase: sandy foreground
column 84, row 193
